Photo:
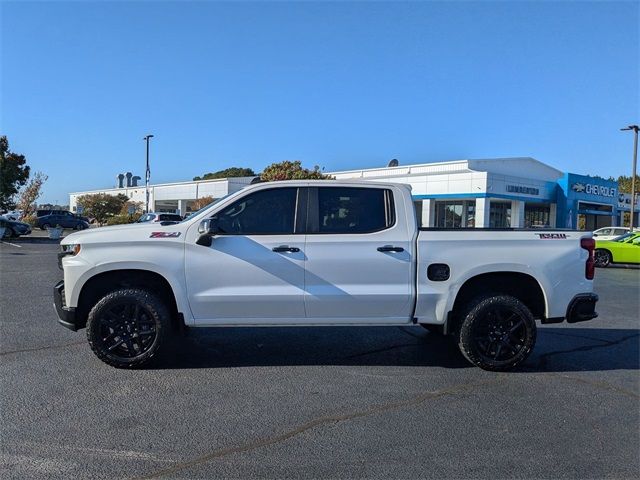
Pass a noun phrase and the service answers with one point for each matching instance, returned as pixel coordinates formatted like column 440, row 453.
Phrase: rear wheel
column 45, row 226
column 126, row 328
column 602, row 257
column 497, row 332
column 8, row 233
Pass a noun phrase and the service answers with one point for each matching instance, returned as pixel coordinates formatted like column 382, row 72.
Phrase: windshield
column 625, row 237
column 197, row 212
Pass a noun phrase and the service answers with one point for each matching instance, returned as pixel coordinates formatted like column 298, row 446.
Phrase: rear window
column 170, row 217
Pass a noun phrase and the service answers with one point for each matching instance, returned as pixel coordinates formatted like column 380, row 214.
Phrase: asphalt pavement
column 314, row 402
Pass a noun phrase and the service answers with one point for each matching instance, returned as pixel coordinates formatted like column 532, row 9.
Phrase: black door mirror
column 209, row 226
column 207, row 229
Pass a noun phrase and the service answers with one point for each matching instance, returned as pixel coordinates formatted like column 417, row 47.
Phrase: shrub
column 121, row 219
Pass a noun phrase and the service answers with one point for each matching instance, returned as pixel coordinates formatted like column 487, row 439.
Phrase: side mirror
column 207, row 229
column 209, row 226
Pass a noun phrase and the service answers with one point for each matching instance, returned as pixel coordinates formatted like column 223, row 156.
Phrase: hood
column 126, row 232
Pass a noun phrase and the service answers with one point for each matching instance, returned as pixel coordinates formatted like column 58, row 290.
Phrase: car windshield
column 625, row 237
column 193, row 214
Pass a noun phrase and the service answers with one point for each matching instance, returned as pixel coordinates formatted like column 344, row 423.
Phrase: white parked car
column 13, row 215
column 609, row 233
column 311, row 253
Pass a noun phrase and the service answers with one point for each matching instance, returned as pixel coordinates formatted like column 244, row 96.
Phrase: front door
column 253, row 273
column 359, row 257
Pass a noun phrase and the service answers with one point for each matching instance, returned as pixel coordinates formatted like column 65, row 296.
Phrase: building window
column 536, row 216
column 455, row 214
column 500, row 214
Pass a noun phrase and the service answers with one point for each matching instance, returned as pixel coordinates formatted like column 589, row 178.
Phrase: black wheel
column 45, row 226
column 602, row 258
column 497, row 332
column 8, row 233
column 127, row 327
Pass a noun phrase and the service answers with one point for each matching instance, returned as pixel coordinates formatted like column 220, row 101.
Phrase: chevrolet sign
column 593, row 189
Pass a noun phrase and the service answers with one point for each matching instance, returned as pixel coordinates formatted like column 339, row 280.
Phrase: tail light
column 589, row 244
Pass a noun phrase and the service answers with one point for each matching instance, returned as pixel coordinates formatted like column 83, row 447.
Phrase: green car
column 624, row 249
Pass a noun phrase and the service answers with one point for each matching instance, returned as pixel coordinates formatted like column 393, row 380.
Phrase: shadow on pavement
column 558, row 349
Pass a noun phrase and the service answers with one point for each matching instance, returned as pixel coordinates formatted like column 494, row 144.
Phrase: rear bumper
column 582, row 308
column 66, row 315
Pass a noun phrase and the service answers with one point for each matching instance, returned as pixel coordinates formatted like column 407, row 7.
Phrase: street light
column 635, row 129
column 147, row 175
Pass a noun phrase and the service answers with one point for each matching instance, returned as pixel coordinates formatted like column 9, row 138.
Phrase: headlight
column 71, row 249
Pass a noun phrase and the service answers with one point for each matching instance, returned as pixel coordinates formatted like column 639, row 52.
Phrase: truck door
column 359, row 257
column 254, row 271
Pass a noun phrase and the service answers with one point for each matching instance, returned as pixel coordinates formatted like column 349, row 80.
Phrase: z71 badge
column 164, row 234
column 552, row 236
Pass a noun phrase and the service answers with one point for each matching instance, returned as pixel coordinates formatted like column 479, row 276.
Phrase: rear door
column 253, row 273
column 358, row 257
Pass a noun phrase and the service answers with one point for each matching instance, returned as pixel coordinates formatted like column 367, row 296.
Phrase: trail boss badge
column 164, row 234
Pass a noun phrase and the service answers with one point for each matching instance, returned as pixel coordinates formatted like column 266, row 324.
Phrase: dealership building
column 499, row 192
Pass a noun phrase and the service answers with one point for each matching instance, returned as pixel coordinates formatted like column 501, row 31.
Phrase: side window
column 354, row 210
column 266, row 212
column 605, row 231
column 620, row 231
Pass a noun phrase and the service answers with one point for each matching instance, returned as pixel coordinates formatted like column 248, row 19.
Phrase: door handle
column 390, row 248
column 285, row 248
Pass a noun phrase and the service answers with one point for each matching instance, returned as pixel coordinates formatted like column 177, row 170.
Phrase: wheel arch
column 102, row 283
column 520, row 285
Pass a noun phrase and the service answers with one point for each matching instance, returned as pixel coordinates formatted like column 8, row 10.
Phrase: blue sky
column 341, row 85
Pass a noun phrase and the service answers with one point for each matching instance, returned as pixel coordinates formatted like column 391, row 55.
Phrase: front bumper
column 66, row 315
column 582, row 308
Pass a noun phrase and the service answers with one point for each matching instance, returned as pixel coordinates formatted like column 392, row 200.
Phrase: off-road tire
column 482, row 315
column 154, row 312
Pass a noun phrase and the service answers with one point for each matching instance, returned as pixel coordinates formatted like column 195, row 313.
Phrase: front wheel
column 126, row 327
column 8, row 233
column 602, row 258
column 497, row 332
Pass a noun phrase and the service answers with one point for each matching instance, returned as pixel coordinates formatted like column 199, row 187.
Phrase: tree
column 30, row 193
column 288, row 170
column 14, row 173
column 227, row 173
column 624, row 184
column 138, row 208
column 101, row 206
column 201, row 202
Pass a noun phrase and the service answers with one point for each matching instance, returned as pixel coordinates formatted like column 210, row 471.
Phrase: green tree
column 102, row 206
column 288, row 170
column 14, row 173
column 227, row 173
column 624, row 183
column 30, row 193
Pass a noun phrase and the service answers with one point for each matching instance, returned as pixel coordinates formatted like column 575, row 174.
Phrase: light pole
column 635, row 129
column 147, row 176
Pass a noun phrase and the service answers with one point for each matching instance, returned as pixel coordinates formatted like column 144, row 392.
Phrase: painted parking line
column 12, row 244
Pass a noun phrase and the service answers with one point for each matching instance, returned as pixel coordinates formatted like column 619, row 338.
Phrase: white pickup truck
column 321, row 253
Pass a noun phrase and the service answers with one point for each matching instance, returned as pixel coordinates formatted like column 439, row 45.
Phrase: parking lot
column 315, row 402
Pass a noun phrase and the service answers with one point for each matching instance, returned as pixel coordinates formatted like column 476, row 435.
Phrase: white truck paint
column 329, row 274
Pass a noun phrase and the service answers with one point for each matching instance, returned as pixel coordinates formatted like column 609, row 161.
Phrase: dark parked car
column 164, row 218
column 14, row 228
column 65, row 220
column 44, row 213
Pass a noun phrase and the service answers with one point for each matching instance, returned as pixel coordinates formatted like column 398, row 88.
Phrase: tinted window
column 170, row 217
column 261, row 213
column 354, row 210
